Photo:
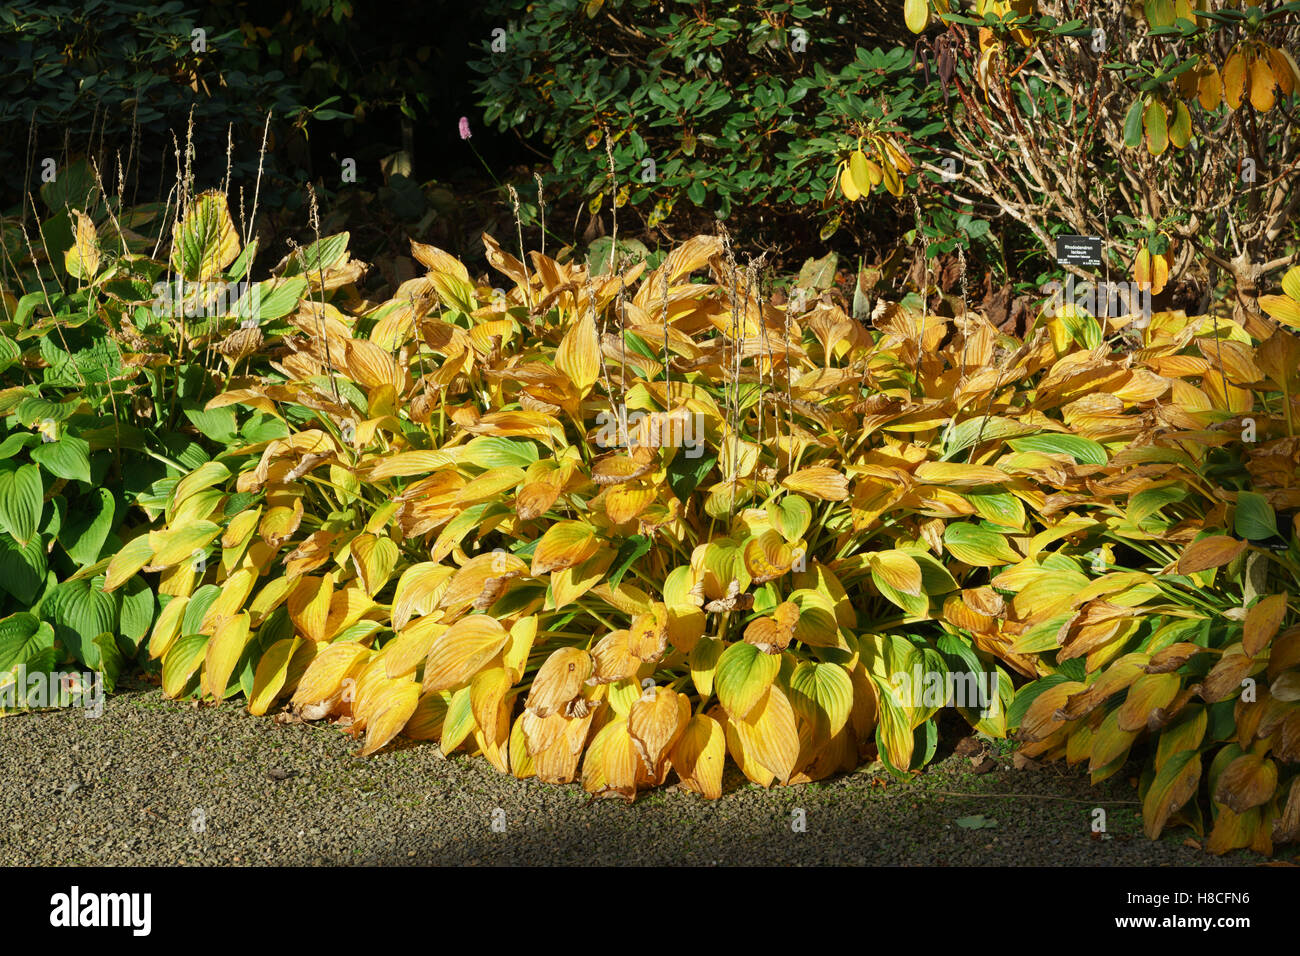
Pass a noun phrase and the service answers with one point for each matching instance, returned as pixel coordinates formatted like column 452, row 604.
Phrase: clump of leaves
column 1179, row 640
column 621, row 526
column 108, row 358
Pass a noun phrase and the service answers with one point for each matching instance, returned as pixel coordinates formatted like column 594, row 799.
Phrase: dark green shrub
column 744, row 111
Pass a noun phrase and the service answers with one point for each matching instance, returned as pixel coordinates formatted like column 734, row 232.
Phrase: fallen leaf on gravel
column 1021, row 762
column 983, row 764
column 976, row 822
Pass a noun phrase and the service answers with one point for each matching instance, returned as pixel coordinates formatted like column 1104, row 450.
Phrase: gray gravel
column 157, row 782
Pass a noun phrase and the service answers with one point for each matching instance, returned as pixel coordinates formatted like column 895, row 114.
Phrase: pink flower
column 464, row 127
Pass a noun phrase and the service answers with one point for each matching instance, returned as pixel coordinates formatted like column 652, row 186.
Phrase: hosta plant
column 619, row 527
column 1181, row 639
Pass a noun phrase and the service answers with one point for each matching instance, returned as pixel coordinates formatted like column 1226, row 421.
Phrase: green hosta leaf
column 69, row 458
column 1255, row 519
column 1084, row 451
column 182, row 663
column 16, row 443
column 743, row 674
column 219, row 424
column 197, row 609
column 275, row 298
column 22, row 637
column 80, row 611
column 1133, row 125
column 1003, row 508
column 9, row 352
column 22, row 499
column 204, row 241
column 978, row 546
column 1146, row 503
column 84, row 533
column 458, row 723
column 978, row 430
column 137, row 612
column 823, row 695
column 23, row 567
column 791, row 516
column 106, row 657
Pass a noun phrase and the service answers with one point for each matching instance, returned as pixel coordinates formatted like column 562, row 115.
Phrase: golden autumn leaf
column 698, row 756
column 224, row 650
column 770, row 733
column 458, row 653
column 1262, row 623
column 559, row 680
column 1211, row 552
column 818, row 481
column 395, row 705
column 565, row 544
column 1247, row 782
column 655, row 721
column 578, row 355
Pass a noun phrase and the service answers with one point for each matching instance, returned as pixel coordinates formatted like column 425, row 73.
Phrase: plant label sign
column 1078, row 250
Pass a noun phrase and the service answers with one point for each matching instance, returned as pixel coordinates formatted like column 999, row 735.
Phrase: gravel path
column 156, row 782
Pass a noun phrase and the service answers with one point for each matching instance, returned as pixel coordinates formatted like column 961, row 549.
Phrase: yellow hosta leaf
column 698, row 757
column 374, row 558
column 309, row 606
column 515, row 656
column 1149, row 693
column 82, row 258
column 958, row 475
column 168, row 627
column 234, row 592
column 418, row 591
column 565, row 544
column 771, row 735
column 916, row 14
column 411, row 645
column 655, row 722
column 389, row 713
column 487, row 691
column 459, row 652
column 272, row 671
column 324, row 676
column 578, row 355
column 129, row 559
column 559, row 680
column 227, row 644
column 818, row 481
column 611, row 764
column 1283, row 308
column 176, row 545
column 898, row 569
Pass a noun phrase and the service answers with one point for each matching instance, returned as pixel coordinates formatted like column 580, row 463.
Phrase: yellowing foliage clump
column 627, row 528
